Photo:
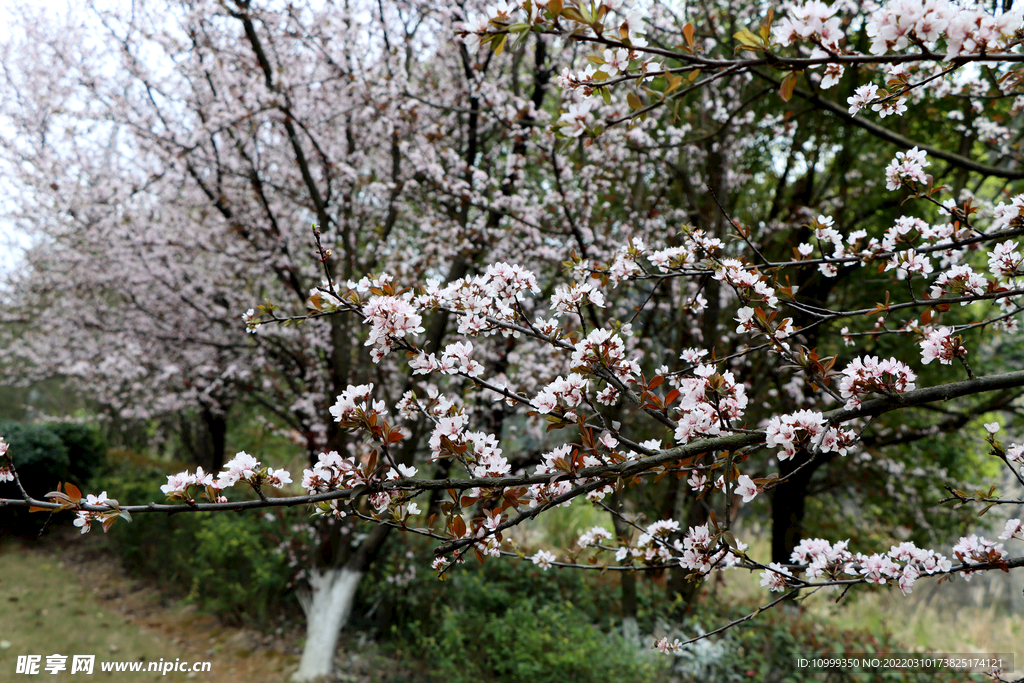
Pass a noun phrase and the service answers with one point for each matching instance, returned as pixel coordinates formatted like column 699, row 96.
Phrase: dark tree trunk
column 789, row 501
column 216, row 428
column 678, row 586
column 622, row 530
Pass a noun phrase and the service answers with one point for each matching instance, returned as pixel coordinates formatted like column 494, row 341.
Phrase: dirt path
column 64, row 595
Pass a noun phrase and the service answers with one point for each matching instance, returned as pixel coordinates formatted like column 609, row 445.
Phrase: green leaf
column 500, row 44
column 748, row 40
column 574, row 14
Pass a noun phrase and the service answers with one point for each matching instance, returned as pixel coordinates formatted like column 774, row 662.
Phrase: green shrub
column 227, row 564
column 532, row 642
column 504, row 621
column 509, row 621
column 39, row 456
column 232, row 568
column 487, row 588
column 41, row 461
column 86, row 447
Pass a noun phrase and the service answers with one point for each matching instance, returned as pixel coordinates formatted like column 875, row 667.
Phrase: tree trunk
column 216, row 431
column 788, row 503
column 630, row 630
column 329, row 603
column 696, row 515
column 327, row 607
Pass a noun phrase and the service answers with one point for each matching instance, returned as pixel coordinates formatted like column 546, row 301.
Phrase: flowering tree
column 608, row 293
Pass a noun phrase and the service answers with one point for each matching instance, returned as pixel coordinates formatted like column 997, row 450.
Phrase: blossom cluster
column 697, row 245
column 907, row 168
column 894, row 25
column 702, row 552
column 565, row 393
column 1005, row 261
column 456, row 359
column 493, row 295
column 242, row 467
column 866, row 375
column 908, row 263
column 1014, row 528
column 707, row 401
column 960, row 279
column 809, row 430
column 1008, row 215
column 976, row 549
column 332, row 472
column 569, row 298
column 604, row 349
column 813, row 21
column 749, row 321
column 752, row 284
column 355, row 406
column 478, row 450
column 593, row 536
column 85, row 518
column 390, row 318
column 941, row 344
column 565, row 459
column 1015, row 454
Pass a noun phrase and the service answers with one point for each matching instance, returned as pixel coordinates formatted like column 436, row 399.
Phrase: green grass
column 44, row 610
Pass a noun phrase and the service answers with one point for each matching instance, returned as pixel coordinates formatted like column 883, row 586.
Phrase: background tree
column 628, row 196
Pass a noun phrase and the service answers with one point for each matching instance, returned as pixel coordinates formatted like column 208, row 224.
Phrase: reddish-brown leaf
column 73, row 493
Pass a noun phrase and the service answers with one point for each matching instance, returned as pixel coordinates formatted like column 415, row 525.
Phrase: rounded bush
column 227, row 564
column 86, row 447
column 41, row 460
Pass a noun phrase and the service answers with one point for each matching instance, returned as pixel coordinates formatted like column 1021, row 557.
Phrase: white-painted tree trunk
column 631, row 630
column 327, row 607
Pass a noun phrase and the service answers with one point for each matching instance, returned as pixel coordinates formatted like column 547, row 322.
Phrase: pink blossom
column 774, row 578
column 907, row 167
column 577, row 117
column 746, row 487
column 390, row 318
column 908, row 263
column 615, row 62
column 861, row 97
column 868, row 375
column 1004, row 260
column 897, row 106
column 940, row 344
column 1012, row 529
column 543, row 559
column 663, row 646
